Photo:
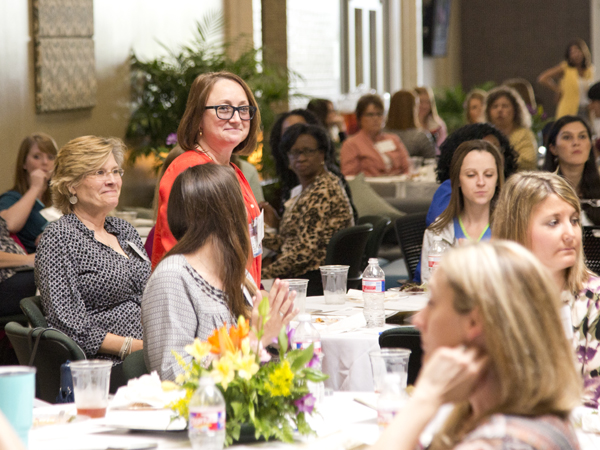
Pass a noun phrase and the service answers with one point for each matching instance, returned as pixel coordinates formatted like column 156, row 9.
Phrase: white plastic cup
column 335, row 280
column 91, row 380
column 299, row 285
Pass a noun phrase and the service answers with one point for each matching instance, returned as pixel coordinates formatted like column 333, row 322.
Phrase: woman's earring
column 200, row 132
column 73, row 199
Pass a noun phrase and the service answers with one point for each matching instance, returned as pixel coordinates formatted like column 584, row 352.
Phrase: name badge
column 257, row 233
column 385, row 146
column 140, row 252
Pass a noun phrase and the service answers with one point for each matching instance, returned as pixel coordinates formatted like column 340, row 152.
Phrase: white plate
column 159, row 420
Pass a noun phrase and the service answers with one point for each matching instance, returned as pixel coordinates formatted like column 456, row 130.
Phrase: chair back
column 134, row 365
column 380, row 226
column 347, row 248
column 32, row 307
column 405, row 337
column 50, row 349
column 591, row 248
column 410, row 230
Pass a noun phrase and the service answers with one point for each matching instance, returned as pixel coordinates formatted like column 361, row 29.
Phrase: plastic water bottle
column 304, row 335
column 373, row 287
column 435, row 253
column 391, row 400
column 206, row 428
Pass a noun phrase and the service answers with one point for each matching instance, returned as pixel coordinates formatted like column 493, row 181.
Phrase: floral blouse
column 306, row 227
column 585, row 312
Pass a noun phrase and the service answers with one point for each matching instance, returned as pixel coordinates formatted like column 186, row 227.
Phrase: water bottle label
column 373, row 286
column 304, row 345
column 434, row 261
column 207, row 420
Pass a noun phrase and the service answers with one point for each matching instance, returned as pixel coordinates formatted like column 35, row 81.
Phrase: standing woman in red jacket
column 221, row 118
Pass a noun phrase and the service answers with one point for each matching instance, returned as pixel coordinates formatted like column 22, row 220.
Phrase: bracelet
column 126, row 347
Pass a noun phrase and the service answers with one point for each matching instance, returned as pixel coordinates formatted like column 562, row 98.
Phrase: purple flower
column 585, row 354
column 314, row 361
column 306, row 404
column 290, row 335
column 172, row 139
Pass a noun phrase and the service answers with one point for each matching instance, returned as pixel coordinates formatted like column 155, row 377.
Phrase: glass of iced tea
column 91, row 380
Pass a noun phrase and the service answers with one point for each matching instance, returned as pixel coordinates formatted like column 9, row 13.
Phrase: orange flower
column 237, row 334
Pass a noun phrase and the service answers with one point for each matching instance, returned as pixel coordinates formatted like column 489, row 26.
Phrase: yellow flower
column 247, row 367
column 280, row 380
column 223, row 371
column 198, row 349
column 167, row 386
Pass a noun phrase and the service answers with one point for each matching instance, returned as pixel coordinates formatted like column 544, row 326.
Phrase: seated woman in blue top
column 476, row 177
column 20, row 207
column 484, row 131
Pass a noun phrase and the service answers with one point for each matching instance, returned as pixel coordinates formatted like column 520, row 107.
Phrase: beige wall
column 120, row 27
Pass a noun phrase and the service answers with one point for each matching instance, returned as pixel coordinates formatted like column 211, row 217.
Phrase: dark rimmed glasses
column 226, row 112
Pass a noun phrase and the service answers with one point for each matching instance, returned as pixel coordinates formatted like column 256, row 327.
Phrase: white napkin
column 145, row 389
column 349, row 323
column 51, row 214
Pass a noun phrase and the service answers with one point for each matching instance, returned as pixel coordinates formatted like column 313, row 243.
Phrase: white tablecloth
column 346, row 359
column 342, row 423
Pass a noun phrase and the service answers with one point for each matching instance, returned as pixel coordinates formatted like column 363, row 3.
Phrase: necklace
column 199, row 148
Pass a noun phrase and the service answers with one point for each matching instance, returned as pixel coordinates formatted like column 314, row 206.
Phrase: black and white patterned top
column 87, row 288
column 179, row 305
column 8, row 245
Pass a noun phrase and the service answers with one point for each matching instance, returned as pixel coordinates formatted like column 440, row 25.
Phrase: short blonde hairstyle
column 521, row 194
column 519, row 308
column 78, row 158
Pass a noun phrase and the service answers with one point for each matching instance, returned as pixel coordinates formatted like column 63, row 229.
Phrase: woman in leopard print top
column 318, row 207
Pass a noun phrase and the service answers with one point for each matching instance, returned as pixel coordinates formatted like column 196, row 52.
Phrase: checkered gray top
column 178, row 306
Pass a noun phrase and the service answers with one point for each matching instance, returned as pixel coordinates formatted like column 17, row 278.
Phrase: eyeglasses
column 104, row 174
column 226, row 112
column 296, row 152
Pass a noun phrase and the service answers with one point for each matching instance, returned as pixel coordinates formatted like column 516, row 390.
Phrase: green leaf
column 304, row 356
column 282, row 339
column 315, row 375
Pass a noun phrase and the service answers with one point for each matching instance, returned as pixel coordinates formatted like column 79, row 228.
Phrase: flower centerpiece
column 272, row 396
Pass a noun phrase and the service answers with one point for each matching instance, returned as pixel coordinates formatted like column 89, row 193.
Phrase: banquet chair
column 45, row 349
column 347, row 248
column 134, row 365
column 380, row 226
column 405, row 337
column 410, row 230
column 591, row 247
column 32, row 308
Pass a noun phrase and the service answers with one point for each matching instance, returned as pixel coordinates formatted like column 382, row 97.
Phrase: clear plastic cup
column 389, row 361
column 299, row 285
column 17, row 390
column 91, row 380
column 335, row 280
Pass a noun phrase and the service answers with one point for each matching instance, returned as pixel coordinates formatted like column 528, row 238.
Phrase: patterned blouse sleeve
column 57, row 279
column 327, row 211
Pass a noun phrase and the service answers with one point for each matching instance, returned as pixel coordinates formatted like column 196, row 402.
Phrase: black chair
column 380, row 227
column 347, row 248
column 410, row 230
column 19, row 318
column 591, row 248
column 134, row 365
column 50, row 348
column 405, row 337
column 32, row 307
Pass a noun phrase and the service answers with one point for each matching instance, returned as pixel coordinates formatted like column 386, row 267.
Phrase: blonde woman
column 505, row 109
column 491, row 348
column 429, row 118
column 91, row 268
column 541, row 211
column 474, row 106
column 476, row 177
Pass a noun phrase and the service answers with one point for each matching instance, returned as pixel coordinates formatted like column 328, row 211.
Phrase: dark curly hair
column 469, row 133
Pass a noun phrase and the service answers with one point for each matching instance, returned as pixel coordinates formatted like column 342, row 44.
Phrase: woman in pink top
column 371, row 151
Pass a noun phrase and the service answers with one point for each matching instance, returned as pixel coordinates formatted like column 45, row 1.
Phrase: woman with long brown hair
column 21, row 206
column 476, row 177
column 202, row 282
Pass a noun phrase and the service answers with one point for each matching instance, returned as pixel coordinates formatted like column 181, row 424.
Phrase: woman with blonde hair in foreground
column 541, row 211
column 490, row 347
